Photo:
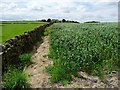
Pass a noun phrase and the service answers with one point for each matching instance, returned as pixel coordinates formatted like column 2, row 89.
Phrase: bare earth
column 39, row 78
column 37, row 75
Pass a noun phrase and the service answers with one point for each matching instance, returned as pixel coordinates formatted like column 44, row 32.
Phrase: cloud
column 68, row 9
column 7, row 6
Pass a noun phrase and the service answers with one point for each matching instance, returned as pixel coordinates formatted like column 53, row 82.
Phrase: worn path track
column 36, row 71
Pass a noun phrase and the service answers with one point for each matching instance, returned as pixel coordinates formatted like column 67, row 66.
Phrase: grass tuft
column 14, row 79
column 25, row 57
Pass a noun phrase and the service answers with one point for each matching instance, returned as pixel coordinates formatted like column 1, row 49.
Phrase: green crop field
column 90, row 47
column 10, row 29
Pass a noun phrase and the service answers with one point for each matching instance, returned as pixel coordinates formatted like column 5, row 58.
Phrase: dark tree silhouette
column 49, row 20
column 63, row 20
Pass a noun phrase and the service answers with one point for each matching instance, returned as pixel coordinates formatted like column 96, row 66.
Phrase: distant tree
column 49, row 20
column 43, row 20
column 92, row 22
column 63, row 20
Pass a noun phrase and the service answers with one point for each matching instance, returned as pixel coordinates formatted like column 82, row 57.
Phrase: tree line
column 58, row 21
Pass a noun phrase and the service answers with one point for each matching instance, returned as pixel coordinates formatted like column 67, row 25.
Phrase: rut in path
column 38, row 77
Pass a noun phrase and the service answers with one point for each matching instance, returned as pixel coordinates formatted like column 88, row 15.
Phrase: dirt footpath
column 36, row 71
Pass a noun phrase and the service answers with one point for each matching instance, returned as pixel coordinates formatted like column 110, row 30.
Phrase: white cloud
column 69, row 9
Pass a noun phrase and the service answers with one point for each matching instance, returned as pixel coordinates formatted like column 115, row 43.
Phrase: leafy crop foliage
column 47, row 31
column 14, row 79
column 88, row 47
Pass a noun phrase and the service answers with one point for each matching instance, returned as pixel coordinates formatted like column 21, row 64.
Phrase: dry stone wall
column 12, row 48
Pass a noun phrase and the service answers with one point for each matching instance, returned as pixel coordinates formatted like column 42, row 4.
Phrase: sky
column 79, row 10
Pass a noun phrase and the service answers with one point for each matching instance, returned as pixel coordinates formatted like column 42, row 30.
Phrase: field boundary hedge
column 14, row 47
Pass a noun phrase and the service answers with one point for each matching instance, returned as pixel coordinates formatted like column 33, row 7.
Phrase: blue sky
column 102, row 10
